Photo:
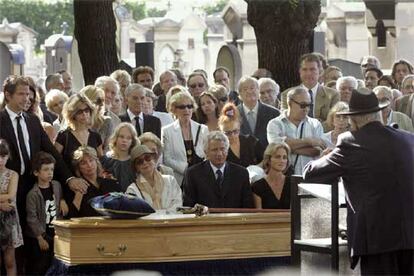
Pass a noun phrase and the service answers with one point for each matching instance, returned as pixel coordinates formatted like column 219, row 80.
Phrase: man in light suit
column 322, row 98
column 376, row 164
column 254, row 114
column 134, row 98
column 216, row 183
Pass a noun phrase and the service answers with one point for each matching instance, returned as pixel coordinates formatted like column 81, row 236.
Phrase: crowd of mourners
column 172, row 142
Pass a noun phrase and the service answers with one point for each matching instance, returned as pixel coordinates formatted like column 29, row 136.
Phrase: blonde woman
column 183, row 140
column 87, row 166
column 78, row 113
column 101, row 123
column 116, row 162
column 273, row 191
column 338, row 123
column 55, row 99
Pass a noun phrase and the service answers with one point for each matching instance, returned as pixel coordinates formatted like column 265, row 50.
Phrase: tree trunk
column 284, row 32
column 95, row 29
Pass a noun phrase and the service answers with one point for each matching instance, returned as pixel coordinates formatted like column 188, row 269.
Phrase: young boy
column 44, row 203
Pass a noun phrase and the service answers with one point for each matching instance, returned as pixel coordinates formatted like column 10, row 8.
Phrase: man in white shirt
column 302, row 133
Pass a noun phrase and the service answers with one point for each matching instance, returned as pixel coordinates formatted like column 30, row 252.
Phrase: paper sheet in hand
column 324, row 191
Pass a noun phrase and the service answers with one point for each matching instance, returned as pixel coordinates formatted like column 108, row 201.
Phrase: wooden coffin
column 168, row 238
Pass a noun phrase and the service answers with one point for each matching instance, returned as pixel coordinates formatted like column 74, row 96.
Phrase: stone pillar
column 124, row 39
column 404, row 25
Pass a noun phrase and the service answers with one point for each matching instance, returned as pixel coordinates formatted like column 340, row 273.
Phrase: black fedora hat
column 363, row 101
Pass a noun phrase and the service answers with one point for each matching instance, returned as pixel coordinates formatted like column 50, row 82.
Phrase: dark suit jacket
column 265, row 113
column 39, row 141
column 151, row 124
column 376, row 164
column 199, row 186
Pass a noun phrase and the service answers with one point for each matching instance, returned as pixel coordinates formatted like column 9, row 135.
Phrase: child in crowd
column 10, row 231
column 44, row 203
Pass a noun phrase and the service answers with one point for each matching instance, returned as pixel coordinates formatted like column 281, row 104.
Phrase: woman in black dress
column 86, row 165
column 78, row 113
column 245, row 150
column 273, row 191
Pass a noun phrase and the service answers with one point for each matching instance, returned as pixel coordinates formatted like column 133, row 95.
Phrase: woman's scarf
column 155, row 192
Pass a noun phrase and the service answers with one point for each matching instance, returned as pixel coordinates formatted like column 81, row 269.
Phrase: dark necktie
column 137, row 126
column 310, row 113
column 22, row 145
column 219, row 179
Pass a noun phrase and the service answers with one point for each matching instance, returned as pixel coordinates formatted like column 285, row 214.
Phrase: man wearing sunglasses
column 302, row 133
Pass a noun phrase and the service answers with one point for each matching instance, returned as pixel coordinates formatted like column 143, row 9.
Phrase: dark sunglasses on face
column 224, row 99
column 85, row 110
column 200, row 85
column 302, row 105
column 146, row 158
column 232, row 132
column 99, row 101
column 184, row 106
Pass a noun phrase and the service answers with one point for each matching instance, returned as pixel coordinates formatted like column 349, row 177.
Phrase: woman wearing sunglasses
column 101, row 123
column 244, row 150
column 160, row 191
column 78, row 113
column 184, row 139
column 197, row 84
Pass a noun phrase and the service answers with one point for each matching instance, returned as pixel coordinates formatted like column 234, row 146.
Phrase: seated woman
column 116, row 162
column 78, row 113
column 338, row 124
column 244, row 150
column 101, row 123
column 86, row 165
column 151, row 140
column 207, row 113
column 184, row 139
column 160, row 191
column 221, row 93
column 273, row 191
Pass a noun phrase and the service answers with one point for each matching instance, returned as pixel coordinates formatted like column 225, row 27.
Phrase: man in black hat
column 376, row 163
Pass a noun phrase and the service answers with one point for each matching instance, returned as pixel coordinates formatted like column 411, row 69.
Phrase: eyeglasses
column 146, row 158
column 99, row 101
column 224, row 99
column 85, row 110
column 194, row 85
column 232, row 132
column 302, row 105
column 184, row 106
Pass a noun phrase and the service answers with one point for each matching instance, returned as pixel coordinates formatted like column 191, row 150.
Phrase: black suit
column 39, row 141
column 151, row 124
column 199, row 186
column 265, row 113
column 376, row 164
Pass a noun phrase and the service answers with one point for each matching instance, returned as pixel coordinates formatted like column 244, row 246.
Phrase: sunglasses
column 232, row 132
column 99, row 101
column 200, row 85
column 224, row 99
column 85, row 110
column 184, row 106
column 302, row 105
column 146, row 158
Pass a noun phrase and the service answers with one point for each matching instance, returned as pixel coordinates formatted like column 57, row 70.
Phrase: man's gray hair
column 406, row 78
column 134, row 87
column 349, row 79
column 103, row 80
column 295, row 91
column 386, row 90
column 216, row 136
column 358, row 121
column 245, row 79
column 275, row 86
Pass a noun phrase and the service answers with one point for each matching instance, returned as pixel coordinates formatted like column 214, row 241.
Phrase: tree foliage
column 217, row 7
column 139, row 10
column 43, row 17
